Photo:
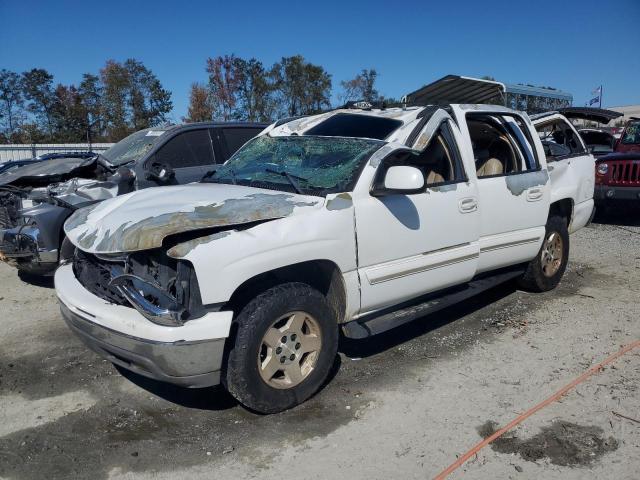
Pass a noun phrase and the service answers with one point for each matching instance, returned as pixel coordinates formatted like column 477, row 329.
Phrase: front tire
column 285, row 344
column 545, row 271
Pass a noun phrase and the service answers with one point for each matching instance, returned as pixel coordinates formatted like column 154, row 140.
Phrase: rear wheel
column 284, row 347
column 545, row 271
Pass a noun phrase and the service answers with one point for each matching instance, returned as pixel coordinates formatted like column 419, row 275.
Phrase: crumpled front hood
column 45, row 172
column 141, row 220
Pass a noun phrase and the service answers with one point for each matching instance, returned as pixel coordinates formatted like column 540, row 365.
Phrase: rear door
column 409, row 245
column 571, row 167
column 513, row 185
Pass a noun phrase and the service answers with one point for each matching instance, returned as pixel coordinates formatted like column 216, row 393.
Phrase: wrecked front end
column 134, row 302
column 31, row 241
column 143, row 312
column 31, row 221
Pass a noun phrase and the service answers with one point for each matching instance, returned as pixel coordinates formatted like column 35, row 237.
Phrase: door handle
column 534, row 194
column 467, row 205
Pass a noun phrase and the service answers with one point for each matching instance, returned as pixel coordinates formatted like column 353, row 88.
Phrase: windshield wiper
column 290, row 177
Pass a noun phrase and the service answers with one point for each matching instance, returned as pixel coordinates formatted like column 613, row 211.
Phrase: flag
column 598, row 96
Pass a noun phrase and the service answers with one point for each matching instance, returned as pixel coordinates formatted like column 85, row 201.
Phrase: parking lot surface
column 403, row 404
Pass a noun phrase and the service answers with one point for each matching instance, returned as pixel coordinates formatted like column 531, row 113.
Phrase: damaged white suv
column 355, row 219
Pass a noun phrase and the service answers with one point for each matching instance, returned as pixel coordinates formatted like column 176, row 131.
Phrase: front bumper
column 22, row 247
column 190, row 355
column 605, row 193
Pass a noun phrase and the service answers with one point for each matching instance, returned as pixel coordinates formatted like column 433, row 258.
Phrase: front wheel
column 285, row 344
column 545, row 271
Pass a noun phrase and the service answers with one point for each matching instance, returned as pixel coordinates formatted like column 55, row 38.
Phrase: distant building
column 535, row 99
column 627, row 112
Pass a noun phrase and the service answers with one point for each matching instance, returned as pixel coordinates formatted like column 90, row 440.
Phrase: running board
column 392, row 317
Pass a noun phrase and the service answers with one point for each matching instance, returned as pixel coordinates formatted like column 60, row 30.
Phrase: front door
column 409, row 245
column 189, row 154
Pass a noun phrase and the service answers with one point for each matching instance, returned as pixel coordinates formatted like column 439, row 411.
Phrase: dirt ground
column 401, row 405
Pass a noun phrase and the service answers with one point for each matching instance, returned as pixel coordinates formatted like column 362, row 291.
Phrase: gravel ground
column 407, row 402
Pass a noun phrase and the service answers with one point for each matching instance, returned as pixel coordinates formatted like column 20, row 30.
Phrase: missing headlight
column 162, row 289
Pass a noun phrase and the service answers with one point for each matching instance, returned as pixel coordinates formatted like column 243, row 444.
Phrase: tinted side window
column 199, row 144
column 174, row 152
column 188, row 149
column 236, row 137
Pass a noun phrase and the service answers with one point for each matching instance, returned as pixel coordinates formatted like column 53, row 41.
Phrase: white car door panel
column 572, row 176
column 409, row 245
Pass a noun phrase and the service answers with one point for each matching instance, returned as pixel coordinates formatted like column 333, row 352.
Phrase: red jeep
column 618, row 177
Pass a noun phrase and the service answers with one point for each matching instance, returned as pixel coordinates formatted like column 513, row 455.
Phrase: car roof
column 180, row 126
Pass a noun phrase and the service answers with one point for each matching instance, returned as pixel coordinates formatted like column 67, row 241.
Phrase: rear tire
column 285, row 344
column 545, row 271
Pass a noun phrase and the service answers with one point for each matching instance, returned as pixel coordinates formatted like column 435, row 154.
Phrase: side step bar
column 395, row 316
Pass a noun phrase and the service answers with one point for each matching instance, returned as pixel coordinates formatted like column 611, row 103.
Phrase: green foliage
column 361, row 87
column 123, row 98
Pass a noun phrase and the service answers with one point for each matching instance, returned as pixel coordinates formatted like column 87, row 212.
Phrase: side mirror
column 160, row 173
column 401, row 179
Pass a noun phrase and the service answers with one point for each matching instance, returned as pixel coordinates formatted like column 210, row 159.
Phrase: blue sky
column 572, row 45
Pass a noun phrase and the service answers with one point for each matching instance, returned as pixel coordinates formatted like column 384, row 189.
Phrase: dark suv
column 36, row 199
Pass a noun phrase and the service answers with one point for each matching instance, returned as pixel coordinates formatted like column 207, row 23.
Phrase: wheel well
column 323, row 275
column 562, row 208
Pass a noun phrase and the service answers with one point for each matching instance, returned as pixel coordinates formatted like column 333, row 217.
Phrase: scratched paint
column 149, row 232
column 340, row 202
column 182, row 249
column 517, row 184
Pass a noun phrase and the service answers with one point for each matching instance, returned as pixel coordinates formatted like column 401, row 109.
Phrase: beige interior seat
column 491, row 166
column 434, row 177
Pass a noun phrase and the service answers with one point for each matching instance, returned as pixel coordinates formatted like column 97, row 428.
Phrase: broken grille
column 94, row 274
column 624, row 173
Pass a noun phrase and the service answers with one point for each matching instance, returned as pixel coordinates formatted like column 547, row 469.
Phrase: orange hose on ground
column 519, row 419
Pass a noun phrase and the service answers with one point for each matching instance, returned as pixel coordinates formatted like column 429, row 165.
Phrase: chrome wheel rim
column 289, row 350
column 551, row 254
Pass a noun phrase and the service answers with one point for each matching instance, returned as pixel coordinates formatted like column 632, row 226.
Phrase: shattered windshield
column 305, row 164
column 134, row 146
column 632, row 134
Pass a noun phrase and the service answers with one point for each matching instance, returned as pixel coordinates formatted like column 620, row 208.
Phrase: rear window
column 357, row 126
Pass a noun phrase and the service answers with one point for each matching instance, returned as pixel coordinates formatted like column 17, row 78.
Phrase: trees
column 90, row 91
column 224, row 83
column 301, row 88
column 126, row 96
column 242, row 89
column 11, row 102
column 68, row 117
column 255, row 91
column 200, row 108
column 38, row 91
column 122, row 98
column 132, row 98
column 361, row 87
